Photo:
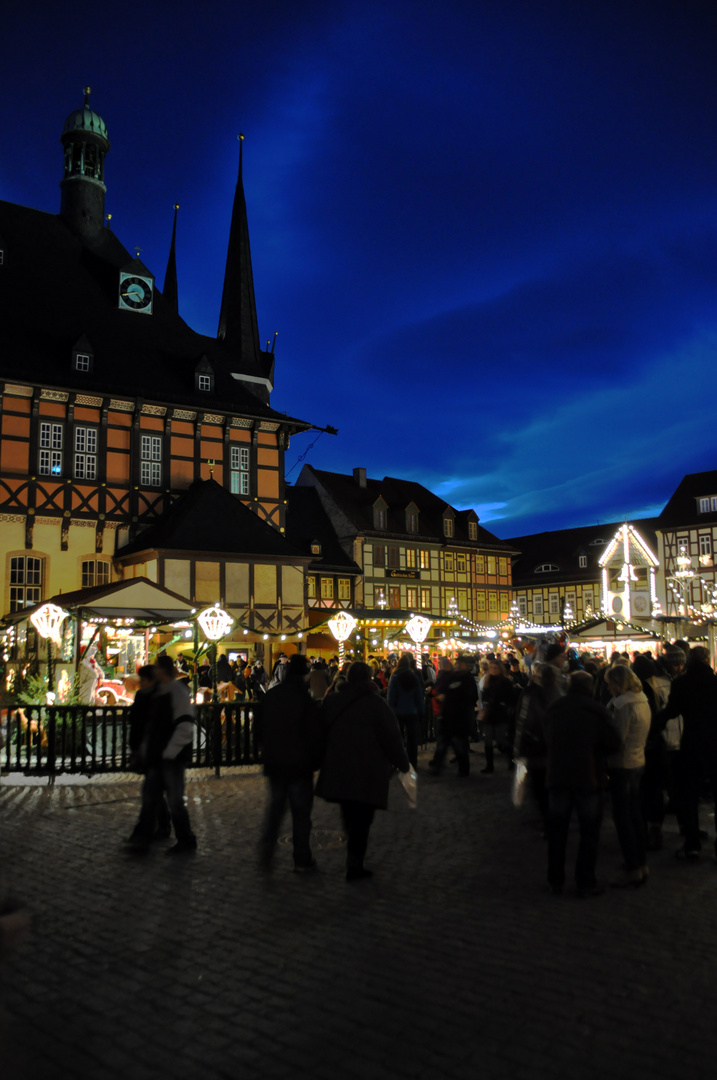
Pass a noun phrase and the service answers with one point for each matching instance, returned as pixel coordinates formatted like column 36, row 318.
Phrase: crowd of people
column 640, row 728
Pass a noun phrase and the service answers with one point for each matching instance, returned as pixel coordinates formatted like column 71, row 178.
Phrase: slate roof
column 683, row 508
column 208, row 518
column 306, row 521
column 563, row 547
column 54, row 289
column 357, row 503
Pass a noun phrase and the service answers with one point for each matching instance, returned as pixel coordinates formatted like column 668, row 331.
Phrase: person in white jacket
column 630, row 714
column 164, row 753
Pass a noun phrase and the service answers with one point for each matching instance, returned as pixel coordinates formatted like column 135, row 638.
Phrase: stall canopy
column 139, row 599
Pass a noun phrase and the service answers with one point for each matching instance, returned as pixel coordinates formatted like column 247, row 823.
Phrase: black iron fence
column 86, row 739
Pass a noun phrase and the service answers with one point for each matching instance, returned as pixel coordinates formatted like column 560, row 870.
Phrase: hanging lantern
column 341, row 625
column 215, row 622
column 417, row 628
column 48, row 621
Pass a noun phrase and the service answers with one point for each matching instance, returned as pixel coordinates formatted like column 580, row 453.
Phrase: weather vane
column 87, row 90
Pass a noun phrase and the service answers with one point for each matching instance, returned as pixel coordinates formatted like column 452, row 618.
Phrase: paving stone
column 450, row 963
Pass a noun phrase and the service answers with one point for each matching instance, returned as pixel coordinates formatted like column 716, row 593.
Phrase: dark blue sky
column 486, row 230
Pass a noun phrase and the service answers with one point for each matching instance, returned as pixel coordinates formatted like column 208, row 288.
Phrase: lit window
column 25, row 581
column 411, row 558
column 587, row 599
column 503, row 567
column 448, row 562
column 50, row 461
column 425, row 599
column 344, row 588
column 472, row 530
column 461, row 564
column 491, row 565
column 538, row 604
column 448, row 526
column 480, row 601
column 462, row 599
column 504, row 605
column 239, row 470
column 424, row 560
column 492, row 601
column 311, row 588
column 480, row 564
column 205, row 382
column 85, row 453
column 412, row 598
column 523, row 605
column 95, row 572
column 151, row 461
column 327, row 588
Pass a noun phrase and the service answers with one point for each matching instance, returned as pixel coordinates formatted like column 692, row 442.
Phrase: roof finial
column 87, row 90
column 136, row 252
column 273, row 344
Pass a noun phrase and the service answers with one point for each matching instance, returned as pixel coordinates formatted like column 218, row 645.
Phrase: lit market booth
column 125, row 623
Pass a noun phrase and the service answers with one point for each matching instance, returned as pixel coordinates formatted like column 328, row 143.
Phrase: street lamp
column 215, row 622
column 341, row 626
column 417, row 629
column 48, row 621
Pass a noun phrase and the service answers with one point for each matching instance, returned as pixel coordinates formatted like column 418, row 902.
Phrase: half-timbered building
column 113, row 408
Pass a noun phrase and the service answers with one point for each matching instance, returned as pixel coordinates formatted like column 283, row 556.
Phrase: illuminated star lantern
column 215, row 622
column 48, row 621
column 341, row 626
column 417, row 628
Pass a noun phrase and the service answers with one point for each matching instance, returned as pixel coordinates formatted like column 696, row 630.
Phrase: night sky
column 486, row 230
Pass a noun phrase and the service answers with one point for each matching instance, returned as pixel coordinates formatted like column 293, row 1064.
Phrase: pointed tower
column 85, row 142
column 169, row 292
column 238, row 325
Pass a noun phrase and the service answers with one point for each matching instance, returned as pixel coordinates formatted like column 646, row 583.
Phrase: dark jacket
column 171, row 721
column 363, row 745
column 459, row 707
column 290, row 731
column 694, row 696
column 579, row 736
column 405, row 693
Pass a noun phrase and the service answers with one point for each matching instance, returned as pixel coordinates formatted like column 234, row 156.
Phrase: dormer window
column 2, row 257
column 707, row 504
column 598, row 542
column 315, row 547
column 380, row 514
column 582, row 561
column 546, row 568
column 412, row 518
column 82, row 361
column 472, row 530
column 448, row 526
column 204, row 376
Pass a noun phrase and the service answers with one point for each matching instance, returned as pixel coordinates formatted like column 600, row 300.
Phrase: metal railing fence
column 49, row 740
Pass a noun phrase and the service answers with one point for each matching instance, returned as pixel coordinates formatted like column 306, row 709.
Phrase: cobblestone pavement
column 450, row 963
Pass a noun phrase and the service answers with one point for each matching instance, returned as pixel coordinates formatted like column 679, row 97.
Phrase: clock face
column 135, row 293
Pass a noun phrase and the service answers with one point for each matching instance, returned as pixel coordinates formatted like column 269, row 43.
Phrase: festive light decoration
column 418, row 627
column 341, row 626
column 48, row 621
column 215, row 622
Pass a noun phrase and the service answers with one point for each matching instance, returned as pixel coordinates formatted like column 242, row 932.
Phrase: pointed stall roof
column 139, row 599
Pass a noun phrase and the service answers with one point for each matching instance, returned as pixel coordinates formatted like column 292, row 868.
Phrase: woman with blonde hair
column 630, row 714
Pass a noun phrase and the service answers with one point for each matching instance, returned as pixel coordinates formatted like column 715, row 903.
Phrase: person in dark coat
column 363, row 745
column 694, row 697
column 578, row 736
column 290, row 734
column 406, row 699
column 498, row 696
column 458, row 694
column 139, row 717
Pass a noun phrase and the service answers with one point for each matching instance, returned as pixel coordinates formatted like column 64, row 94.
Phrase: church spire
column 169, row 291
column 237, row 319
